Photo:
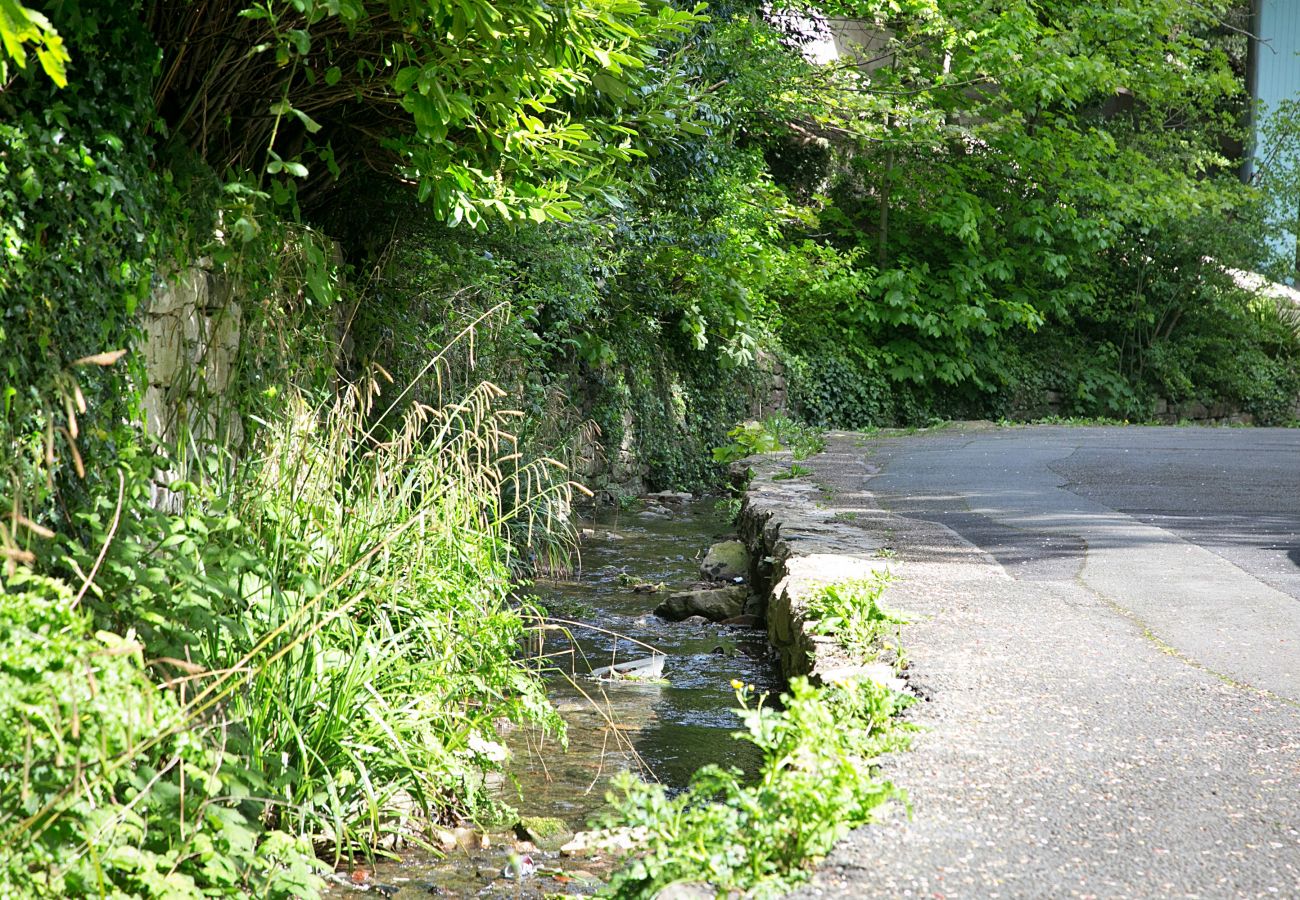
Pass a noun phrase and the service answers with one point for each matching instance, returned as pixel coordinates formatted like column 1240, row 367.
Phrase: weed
column 850, row 611
column 729, row 508
column 760, row 836
column 774, row 433
column 1073, row 421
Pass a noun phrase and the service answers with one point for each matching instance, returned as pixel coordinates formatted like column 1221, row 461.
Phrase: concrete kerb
column 798, row 545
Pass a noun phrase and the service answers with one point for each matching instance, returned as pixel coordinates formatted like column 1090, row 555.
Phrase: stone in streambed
column 688, row 890
column 549, row 834
column 655, row 511
column 617, row 841
column 724, row 561
column 745, row 621
column 715, row 604
column 671, row 496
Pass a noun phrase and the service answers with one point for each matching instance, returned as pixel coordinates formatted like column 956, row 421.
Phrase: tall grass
column 390, row 693
column 331, row 620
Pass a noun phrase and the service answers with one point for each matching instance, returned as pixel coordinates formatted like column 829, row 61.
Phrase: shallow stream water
column 664, row 731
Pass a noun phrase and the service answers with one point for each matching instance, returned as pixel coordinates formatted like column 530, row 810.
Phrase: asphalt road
column 1107, row 623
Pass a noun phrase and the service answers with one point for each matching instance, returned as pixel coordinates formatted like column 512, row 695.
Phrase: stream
column 664, row 730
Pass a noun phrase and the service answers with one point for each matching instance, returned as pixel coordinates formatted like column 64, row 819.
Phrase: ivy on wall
column 79, row 229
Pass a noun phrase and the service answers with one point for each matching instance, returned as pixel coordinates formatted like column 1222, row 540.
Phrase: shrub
column 107, row 786
column 830, row 391
column 79, row 204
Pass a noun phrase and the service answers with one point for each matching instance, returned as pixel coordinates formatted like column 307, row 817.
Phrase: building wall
column 1277, row 72
column 1276, row 78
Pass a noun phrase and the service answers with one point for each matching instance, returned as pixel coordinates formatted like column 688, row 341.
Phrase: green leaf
column 308, row 122
column 20, row 25
column 406, row 79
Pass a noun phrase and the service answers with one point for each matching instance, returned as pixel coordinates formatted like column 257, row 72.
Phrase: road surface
column 1107, row 622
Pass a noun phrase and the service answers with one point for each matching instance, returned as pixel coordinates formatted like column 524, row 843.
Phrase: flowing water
column 664, row 730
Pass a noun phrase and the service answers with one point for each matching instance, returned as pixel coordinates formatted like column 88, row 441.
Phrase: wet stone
column 724, row 561
column 546, row 832
column 655, row 511
column 671, row 496
column 687, row 891
column 715, row 605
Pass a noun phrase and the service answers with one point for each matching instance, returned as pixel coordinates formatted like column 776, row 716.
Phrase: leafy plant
column 452, row 98
column 773, row 433
column 79, row 200
column 747, row 439
column 21, row 25
column 795, row 471
column 729, row 508
column 760, row 835
column 108, row 786
column 851, row 611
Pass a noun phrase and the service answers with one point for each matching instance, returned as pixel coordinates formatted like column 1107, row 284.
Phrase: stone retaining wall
column 1163, row 412
column 798, row 544
column 192, row 327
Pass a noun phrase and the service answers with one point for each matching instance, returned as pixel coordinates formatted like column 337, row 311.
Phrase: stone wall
column 610, row 470
column 768, row 394
column 799, row 544
column 192, row 329
column 1163, row 412
column 1167, row 413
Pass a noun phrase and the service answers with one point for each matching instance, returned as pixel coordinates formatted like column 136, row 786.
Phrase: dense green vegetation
column 467, row 239
column 814, row 785
column 817, row 779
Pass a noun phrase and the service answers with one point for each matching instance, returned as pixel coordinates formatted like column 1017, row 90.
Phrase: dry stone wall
column 800, row 540
column 192, row 327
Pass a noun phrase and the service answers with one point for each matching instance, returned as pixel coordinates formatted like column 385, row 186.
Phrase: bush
column 830, row 391
column 79, row 207
column 108, row 787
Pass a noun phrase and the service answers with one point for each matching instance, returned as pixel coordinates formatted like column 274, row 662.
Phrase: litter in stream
column 649, row 668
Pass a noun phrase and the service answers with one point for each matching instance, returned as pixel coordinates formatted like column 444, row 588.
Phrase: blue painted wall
column 1278, row 68
column 1277, row 74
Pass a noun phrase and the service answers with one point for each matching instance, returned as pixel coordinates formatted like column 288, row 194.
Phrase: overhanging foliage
column 507, row 109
